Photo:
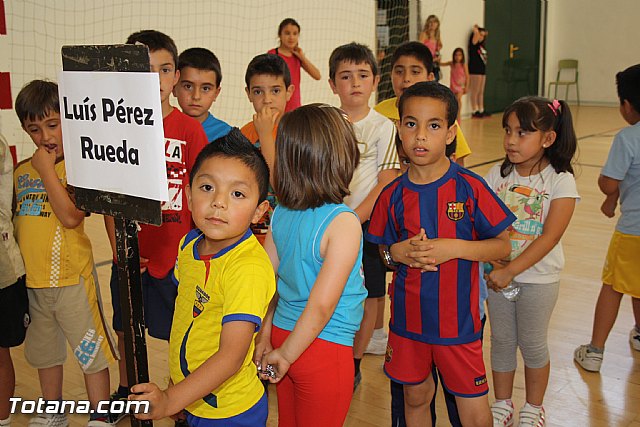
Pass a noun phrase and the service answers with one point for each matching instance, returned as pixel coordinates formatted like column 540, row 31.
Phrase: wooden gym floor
column 574, row 397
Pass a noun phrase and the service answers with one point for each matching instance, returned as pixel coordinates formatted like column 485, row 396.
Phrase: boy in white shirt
column 353, row 76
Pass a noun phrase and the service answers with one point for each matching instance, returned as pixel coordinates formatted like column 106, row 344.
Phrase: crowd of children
column 270, row 264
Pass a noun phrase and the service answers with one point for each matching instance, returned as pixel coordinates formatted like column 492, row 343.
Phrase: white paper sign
column 112, row 132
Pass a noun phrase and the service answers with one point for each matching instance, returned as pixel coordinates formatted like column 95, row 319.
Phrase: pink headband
column 555, row 107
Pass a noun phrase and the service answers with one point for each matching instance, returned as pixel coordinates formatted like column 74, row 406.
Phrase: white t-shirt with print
column 529, row 198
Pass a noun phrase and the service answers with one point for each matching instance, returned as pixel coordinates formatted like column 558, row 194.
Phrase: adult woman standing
column 430, row 36
column 477, row 70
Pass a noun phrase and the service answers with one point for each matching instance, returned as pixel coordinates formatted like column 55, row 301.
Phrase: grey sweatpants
column 523, row 323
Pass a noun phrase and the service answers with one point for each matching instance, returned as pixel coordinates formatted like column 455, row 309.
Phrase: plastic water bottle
column 511, row 292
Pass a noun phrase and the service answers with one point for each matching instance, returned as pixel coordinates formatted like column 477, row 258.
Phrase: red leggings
column 317, row 389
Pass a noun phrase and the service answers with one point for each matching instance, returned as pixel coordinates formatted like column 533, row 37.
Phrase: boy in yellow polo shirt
column 412, row 63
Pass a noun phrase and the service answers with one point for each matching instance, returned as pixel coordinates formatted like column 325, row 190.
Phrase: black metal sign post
column 125, row 209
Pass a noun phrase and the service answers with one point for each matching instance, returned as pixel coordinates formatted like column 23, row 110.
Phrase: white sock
column 6, row 422
column 533, row 406
column 379, row 334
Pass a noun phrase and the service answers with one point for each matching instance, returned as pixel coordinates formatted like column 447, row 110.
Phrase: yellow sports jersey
column 236, row 284
column 54, row 256
column 389, row 109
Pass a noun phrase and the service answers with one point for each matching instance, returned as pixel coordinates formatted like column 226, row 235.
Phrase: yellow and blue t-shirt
column 236, row 284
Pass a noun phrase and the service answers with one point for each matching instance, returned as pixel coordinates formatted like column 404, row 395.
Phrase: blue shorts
column 255, row 416
column 159, row 298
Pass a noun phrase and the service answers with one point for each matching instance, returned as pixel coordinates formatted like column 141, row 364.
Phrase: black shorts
column 14, row 314
column 375, row 272
column 480, row 69
column 159, row 297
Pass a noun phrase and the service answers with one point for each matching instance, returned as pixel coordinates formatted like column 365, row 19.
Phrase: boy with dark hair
column 353, row 76
column 411, row 63
column 64, row 297
column 199, row 87
column 619, row 181
column 184, row 139
column 222, row 266
column 435, row 316
column 268, row 88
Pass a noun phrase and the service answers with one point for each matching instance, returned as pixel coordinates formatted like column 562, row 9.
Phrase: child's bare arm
column 235, row 341
column 307, row 65
column 263, row 339
column 608, row 185
column 110, row 228
column 264, row 122
column 555, row 224
column 63, row 207
column 609, row 205
column 363, row 210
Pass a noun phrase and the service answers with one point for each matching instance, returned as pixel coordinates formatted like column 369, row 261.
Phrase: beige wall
column 457, row 17
column 236, row 30
column 601, row 35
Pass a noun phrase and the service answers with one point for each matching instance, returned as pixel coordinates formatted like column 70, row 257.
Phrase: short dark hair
column 287, row 21
column 36, row 100
column 417, row 50
column 316, row 156
column 201, row 59
column 432, row 90
column 235, row 145
column 628, row 83
column 354, row 53
column 270, row 65
column 155, row 40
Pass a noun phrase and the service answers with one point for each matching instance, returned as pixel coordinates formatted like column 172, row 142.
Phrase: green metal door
column 513, row 47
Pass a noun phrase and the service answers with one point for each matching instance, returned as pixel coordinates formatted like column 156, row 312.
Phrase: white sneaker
column 502, row 411
column 101, row 422
column 6, row 422
column 49, row 420
column 377, row 346
column 531, row 416
column 589, row 360
column 634, row 339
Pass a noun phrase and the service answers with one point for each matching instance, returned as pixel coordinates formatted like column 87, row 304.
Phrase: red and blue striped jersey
column 438, row 307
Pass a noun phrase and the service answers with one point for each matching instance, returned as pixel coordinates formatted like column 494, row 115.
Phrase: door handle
column 512, row 48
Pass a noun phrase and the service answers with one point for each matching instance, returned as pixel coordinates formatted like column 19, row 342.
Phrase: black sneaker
column 114, row 397
column 476, row 115
column 356, row 381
